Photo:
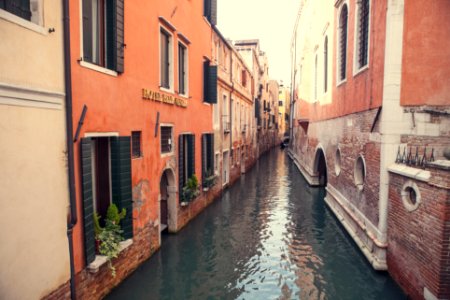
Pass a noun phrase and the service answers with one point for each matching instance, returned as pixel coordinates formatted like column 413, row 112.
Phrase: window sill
column 97, row 68
column 100, row 260
column 185, row 96
column 22, row 22
column 366, row 67
column 171, row 91
column 167, row 154
column 341, row 82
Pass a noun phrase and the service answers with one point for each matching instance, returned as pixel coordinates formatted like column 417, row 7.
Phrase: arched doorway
column 167, row 202
column 320, row 167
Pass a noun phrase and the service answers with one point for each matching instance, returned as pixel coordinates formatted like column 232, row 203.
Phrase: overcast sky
column 270, row 21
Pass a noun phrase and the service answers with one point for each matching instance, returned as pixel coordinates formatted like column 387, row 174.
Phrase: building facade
column 358, row 73
column 34, row 256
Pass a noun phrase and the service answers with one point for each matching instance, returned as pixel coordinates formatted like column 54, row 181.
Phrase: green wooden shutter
column 111, row 36
column 191, row 155
column 181, row 175
column 213, row 12
column 120, row 41
column 121, row 184
column 212, row 84
column 88, row 201
column 204, row 157
column 210, row 153
column 87, row 30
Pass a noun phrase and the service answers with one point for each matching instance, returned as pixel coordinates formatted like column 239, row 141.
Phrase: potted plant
column 209, row 180
column 190, row 190
column 108, row 238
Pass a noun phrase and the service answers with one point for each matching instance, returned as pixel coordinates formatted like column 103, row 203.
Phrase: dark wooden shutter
column 120, row 37
column 343, row 42
column 212, row 84
column 20, row 8
column 213, row 12
column 181, row 175
column 111, row 36
column 191, row 155
column 207, row 8
column 204, row 157
column 87, row 30
column 210, row 145
column 121, row 180
column 88, row 201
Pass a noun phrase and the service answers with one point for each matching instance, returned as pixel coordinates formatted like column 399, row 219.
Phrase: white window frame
column 186, row 69
column 356, row 68
column 36, row 23
column 171, row 58
column 338, row 40
column 172, row 148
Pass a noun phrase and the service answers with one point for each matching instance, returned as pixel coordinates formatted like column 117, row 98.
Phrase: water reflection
column 269, row 237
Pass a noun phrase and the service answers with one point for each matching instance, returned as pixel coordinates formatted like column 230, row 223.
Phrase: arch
column 168, row 201
column 320, row 166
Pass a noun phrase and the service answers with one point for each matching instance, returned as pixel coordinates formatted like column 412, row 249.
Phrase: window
column 342, row 55
column 166, row 59
column 337, row 162
column 186, row 159
column 210, row 11
column 207, row 157
column 106, row 179
column 362, row 32
column 359, row 173
column 182, row 69
column 411, row 196
column 243, row 78
column 103, row 33
column 280, row 103
column 19, row 8
column 166, row 139
column 325, row 65
column 136, row 144
column 209, row 82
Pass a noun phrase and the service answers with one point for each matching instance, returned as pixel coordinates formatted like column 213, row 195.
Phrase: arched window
column 343, row 22
column 325, row 65
column 362, row 33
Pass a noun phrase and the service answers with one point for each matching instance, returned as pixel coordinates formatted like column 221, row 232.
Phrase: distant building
column 372, row 88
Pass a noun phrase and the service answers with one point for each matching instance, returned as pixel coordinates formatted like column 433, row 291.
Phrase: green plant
column 190, row 190
column 110, row 236
column 210, row 179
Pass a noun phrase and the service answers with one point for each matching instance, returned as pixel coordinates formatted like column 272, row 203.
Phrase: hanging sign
column 159, row 97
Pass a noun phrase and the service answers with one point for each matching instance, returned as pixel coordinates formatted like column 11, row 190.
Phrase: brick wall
column 418, row 254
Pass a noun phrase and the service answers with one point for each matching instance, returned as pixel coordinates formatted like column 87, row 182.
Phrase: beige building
column 283, row 110
column 34, row 253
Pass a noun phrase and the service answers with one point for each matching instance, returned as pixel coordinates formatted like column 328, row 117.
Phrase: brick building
column 359, row 72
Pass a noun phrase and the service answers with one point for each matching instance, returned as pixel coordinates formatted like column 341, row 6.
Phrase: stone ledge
column 440, row 164
column 410, row 172
column 100, row 260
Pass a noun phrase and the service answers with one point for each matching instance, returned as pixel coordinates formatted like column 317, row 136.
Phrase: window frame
column 171, row 152
column 133, row 156
column 166, row 31
column 356, row 67
column 340, row 80
column 185, row 68
column 35, row 23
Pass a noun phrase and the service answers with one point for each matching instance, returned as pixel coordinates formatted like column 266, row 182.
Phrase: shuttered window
column 166, row 139
column 343, row 20
column 210, row 11
column 182, row 69
column 207, row 156
column 112, row 169
column 103, row 33
column 20, row 8
column 186, row 158
column 363, row 32
column 165, row 63
column 209, row 83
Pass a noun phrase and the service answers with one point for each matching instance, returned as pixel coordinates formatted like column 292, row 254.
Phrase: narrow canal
column 270, row 236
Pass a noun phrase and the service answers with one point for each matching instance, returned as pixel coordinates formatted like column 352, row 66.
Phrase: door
column 226, row 168
column 163, row 201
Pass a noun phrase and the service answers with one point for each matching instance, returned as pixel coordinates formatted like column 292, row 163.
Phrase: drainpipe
column 231, row 107
column 73, row 218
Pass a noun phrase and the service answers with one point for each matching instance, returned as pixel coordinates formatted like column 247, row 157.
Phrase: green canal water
column 270, row 236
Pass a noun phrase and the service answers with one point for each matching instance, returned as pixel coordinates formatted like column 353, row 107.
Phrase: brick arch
column 320, row 168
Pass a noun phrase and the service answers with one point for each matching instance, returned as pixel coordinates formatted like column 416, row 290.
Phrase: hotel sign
column 159, row 97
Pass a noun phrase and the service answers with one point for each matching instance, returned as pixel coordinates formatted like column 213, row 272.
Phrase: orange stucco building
column 142, row 75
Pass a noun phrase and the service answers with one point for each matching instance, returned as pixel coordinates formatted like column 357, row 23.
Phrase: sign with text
column 159, row 97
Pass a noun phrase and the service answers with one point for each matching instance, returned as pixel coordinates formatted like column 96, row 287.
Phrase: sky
column 270, row 21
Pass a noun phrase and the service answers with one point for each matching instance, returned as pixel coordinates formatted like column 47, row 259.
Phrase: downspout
column 73, row 218
column 231, row 108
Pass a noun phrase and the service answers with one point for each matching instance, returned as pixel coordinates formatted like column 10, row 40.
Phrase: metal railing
column 414, row 159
